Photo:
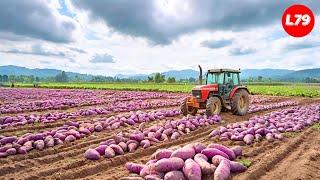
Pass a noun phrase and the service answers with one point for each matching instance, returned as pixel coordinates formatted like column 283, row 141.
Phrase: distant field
column 306, row 90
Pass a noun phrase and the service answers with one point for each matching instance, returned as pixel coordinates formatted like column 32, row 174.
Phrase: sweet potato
column 134, row 167
column 109, row 152
column 124, row 146
column 169, row 164
column 92, row 154
column 235, row 167
column 192, row 170
column 101, row 149
column 174, row 175
column 162, row 153
column 237, row 150
column 224, row 149
column 248, row 139
column 132, row 147
column 39, row 144
column 145, row 143
column 148, row 169
column 198, row 147
column 206, row 167
column 117, row 149
column 223, row 170
column 184, row 153
column 70, row 138
column 11, row 151
column 210, row 152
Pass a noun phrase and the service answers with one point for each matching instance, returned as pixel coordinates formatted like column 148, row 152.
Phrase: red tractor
column 222, row 91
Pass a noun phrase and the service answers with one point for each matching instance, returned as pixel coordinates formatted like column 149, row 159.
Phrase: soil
column 296, row 157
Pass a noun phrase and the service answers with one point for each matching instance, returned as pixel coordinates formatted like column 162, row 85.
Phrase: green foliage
column 316, row 126
column 279, row 90
column 171, row 80
column 247, row 163
column 62, row 77
column 290, row 134
column 290, row 90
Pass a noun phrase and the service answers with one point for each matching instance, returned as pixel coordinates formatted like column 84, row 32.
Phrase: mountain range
column 277, row 74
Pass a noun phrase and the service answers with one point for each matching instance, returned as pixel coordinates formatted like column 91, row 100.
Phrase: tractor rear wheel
column 213, row 106
column 240, row 102
column 185, row 109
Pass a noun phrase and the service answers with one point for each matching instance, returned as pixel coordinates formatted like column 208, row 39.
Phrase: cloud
column 81, row 51
column 162, row 21
column 37, row 49
column 241, row 51
column 301, row 45
column 215, row 44
column 102, row 58
column 35, row 19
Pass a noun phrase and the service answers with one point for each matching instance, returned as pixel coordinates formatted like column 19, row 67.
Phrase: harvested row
column 52, row 117
column 270, row 125
column 80, row 98
column 72, row 131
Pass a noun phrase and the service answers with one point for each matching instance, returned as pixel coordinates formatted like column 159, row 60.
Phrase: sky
column 110, row 37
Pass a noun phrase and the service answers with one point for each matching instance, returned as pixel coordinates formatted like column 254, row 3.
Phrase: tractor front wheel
column 213, row 106
column 185, row 109
column 240, row 102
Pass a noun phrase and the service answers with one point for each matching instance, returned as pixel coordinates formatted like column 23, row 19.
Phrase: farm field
column 47, row 133
column 278, row 89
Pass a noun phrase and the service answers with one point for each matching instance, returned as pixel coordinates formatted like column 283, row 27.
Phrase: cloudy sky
column 109, row 37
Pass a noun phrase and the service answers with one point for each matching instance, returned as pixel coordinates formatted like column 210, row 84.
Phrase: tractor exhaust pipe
column 200, row 75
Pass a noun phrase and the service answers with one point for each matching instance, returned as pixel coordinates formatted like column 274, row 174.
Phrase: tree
column 12, row 78
column 37, row 79
column 1, row 78
column 150, row 79
column 171, row 80
column 260, row 78
column 159, row 78
column 62, row 77
column 191, row 80
column 5, row 78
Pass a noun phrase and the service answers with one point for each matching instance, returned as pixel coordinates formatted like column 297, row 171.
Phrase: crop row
column 262, row 107
column 72, row 131
column 129, row 142
column 270, row 126
column 79, row 98
column 108, row 109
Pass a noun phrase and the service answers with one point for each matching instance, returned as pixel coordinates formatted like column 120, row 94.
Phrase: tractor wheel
column 187, row 110
column 240, row 102
column 213, row 106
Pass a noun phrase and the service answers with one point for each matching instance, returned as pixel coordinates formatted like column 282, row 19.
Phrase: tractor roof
column 224, row 70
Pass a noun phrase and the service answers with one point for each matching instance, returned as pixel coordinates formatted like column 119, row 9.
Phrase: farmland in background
column 277, row 88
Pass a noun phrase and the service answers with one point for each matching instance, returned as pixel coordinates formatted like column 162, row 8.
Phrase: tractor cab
column 222, row 90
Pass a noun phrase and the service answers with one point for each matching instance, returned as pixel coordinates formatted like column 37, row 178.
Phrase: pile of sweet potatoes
column 193, row 162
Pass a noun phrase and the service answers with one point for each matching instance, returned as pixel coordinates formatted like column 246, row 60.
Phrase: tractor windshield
column 215, row 78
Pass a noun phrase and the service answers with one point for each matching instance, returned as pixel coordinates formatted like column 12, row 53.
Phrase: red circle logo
column 298, row 20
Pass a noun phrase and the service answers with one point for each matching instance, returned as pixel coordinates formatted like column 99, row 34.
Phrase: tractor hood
column 209, row 87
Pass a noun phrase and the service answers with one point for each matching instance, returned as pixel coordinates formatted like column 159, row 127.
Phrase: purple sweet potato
column 248, row 139
column 92, row 154
column 132, row 147
column 39, row 144
column 145, row 143
column 237, row 167
column 22, row 150
column 192, row 170
column 153, row 177
column 134, row 167
column 124, row 146
column 101, row 149
column 210, row 152
column 174, row 175
column 117, row 149
column 148, row 169
column 169, row 164
column 109, row 152
column 206, row 167
column 70, row 138
column 162, row 153
column 11, row 151
column 7, row 140
column 184, row 152
column 3, row 154
column 237, row 150
column 198, row 147
column 224, row 149
column 223, row 170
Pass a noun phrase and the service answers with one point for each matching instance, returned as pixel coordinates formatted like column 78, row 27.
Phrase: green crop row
column 279, row 90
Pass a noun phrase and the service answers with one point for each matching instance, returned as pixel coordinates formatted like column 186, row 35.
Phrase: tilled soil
column 292, row 158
